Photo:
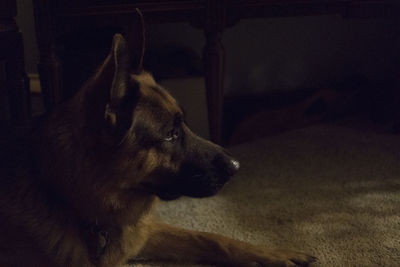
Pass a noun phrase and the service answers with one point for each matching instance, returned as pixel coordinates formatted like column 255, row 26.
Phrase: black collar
column 98, row 240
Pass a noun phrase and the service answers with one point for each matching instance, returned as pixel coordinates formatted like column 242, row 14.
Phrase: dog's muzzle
column 200, row 175
column 205, row 181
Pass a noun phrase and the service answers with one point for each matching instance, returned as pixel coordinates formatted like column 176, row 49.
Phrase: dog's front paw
column 283, row 257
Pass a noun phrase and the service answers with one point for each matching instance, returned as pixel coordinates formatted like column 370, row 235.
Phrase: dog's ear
column 111, row 94
column 120, row 59
column 126, row 57
column 123, row 91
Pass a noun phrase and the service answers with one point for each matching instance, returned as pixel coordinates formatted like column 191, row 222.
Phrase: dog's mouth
column 204, row 186
column 202, row 193
column 196, row 186
column 194, row 179
column 168, row 196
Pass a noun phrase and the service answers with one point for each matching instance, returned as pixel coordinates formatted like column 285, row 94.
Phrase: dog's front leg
column 173, row 244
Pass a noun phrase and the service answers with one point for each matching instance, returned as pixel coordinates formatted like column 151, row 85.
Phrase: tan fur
column 144, row 78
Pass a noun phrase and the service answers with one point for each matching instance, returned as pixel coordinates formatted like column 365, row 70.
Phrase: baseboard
column 34, row 82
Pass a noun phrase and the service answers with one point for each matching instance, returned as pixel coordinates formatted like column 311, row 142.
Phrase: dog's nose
column 226, row 164
column 235, row 165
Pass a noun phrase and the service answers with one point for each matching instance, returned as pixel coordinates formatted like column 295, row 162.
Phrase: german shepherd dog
column 79, row 190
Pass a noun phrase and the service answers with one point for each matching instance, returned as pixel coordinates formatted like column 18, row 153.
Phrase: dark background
column 281, row 61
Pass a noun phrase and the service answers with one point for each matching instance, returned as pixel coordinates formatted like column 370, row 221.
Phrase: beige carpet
column 328, row 190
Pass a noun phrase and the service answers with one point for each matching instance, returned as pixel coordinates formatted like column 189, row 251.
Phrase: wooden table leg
column 50, row 72
column 49, row 66
column 20, row 99
column 214, row 64
column 13, row 79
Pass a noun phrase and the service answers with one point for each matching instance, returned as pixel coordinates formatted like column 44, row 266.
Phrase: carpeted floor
column 328, row 190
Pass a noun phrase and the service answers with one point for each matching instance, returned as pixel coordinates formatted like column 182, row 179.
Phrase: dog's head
column 147, row 140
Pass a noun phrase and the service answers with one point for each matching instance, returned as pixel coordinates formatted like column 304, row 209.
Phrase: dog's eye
column 172, row 135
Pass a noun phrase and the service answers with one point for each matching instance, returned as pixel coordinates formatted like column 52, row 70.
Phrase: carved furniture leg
column 214, row 64
column 13, row 79
column 49, row 66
